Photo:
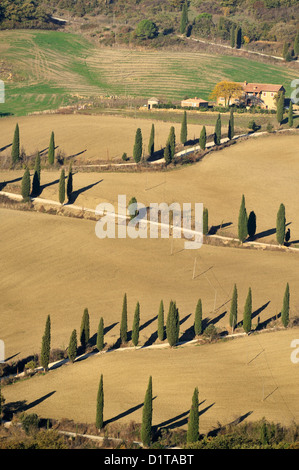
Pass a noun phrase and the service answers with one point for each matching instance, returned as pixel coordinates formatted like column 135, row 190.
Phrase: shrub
column 30, row 422
column 211, row 333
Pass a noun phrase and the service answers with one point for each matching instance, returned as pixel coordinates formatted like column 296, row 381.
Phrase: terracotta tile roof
column 259, row 87
column 194, row 100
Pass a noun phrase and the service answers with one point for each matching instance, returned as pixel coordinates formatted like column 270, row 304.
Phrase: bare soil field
column 247, row 378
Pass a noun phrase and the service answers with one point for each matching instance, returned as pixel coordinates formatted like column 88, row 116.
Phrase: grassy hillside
column 47, row 69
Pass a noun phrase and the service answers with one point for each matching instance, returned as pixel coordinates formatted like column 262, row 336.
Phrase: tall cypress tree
column 36, row 176
column 280, row 224
column 251, row 225
column 69, row 185
column 171, row 140
column 100, row 405
column 15, row 151
column 124, row 322
column 291, row 115
column 151, row 144
column 51, row 150
column 280, row 108
column 285, row 311
column 167, row 153
column 25, row 187
column 62, row 187
column 233, row 36
column 184, row 130
column 184, row 19
column 296, row 44
column 84, row 329
column 147, row 415
column 173, row 324
column 233, row 315
column 136, row 324
column 198, row 319
column 193, row 422
column 72, row 349
column 46, row 345
column 100, row 335
column 205, row 221
column 137, row 151
column 161, row 334
column 231, row 125
column 238, row 35
column 247, row 312
column 242, row 221
column 217, row 133
column 203, row 138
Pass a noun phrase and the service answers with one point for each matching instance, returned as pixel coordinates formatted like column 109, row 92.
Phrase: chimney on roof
column 245, row 83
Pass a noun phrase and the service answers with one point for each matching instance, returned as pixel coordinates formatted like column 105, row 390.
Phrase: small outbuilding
column 151, row 102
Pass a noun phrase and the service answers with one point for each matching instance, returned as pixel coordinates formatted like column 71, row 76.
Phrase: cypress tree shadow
column 254, row 314
column 108, row 328
column 38, row 401
column 185, row 319
column 11, row 408
column 93, row 339
column 5, row 146
column 77, row 193
column 76, row 154
column 5, row 183
column 147, row 323
column 262, row 325
column 11, row 357
column 236, row 421
column 126, row 413
column 46, row 185
column 156, row 155
column 188, row 335
column 214, row 229
column 267, row 233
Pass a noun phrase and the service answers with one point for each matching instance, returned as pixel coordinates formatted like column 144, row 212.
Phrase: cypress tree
column 296, row 44
column 167, row 153
column 242, row 221
column 124, row 322
column 25, row 189
column 184, row 131
column 247, row 312
column 51, row 151
column 217, row 133
column 171, row 140
column 291, row 115
column 72, row 349
column 193, row 422
column 184, row 19
column 285, row 50
column 198, row 319
column 46, row 345
column 232, row 36
column 203, row 138
column 151, row 144
column 137, row 151
column 238, row 40
column 251, row 225
column 280, row 224
column 205, row 221
column 233, row 315
column 231, row 125
column 2, row 401
column 161, row 334
column 15, row 151
column 280, row 108
column 36, row 176
column 136, row 324
column 147, row 415
column 69, row 185
column 285, row 312
column 100, row 335
column 100, row 405
column 62, row 187
column 84, row 329
column 173, row 324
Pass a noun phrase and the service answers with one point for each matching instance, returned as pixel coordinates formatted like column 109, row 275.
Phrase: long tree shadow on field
column 77, row 193
column 263, row 324
column 212, row 321
column 147, row 323
column 5, row 183
column 214, row 229
column 5, row 146
column 11, row 408
column 93, row 339
column 126, row 413
column 255, row 313
column 265, row 233
column 236, row 421
column 46, row 185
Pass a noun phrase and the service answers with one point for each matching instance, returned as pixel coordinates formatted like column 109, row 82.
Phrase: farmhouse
column 256, row 94
column 194, row 103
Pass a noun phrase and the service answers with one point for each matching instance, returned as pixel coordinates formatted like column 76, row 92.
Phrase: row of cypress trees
column 15, row 151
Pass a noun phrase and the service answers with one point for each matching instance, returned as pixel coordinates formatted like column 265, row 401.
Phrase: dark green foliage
column 198, row 319
column 15, row 151
column 285, row 50
column 184, row 19
column 247, row 312
column 238, row 36
column 296, row 45
column 151, row 144
column 171, row 140
column 84, row 329
column 100, row 335
column 133, row 212
column 62, row 187
column 146, row 29
column 233, row 315
column 280, row 108
column 51, row 151
column 217, row 133
column 161, row 334
column 280, row 224
column 173, row 324
column 69, row 185
column 251, row 224
column 242, row 221
column 193, row 422
column 291, row 115
column 137, row 151
column 46, row 345
column 100, row 405
column 2, row 401
column 231, row 125
column 36, row 176
column 136, row 324
column 285, row 312
column 147, row 415
column 30, row 422
column 184, row 131
column 203, row 138
column 25, row 189
column 124, row 322
column 167, row 153
column 72, row 349
column 232, row 36
column 264, row 433
column 205, row 221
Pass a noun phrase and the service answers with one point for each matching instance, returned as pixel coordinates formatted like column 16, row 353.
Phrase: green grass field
column 47, row 69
